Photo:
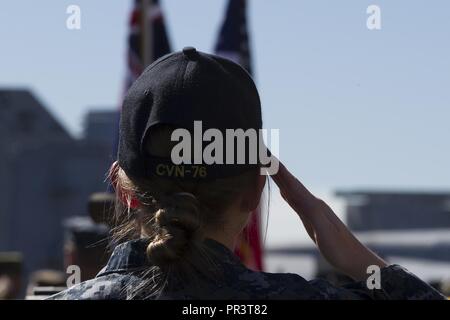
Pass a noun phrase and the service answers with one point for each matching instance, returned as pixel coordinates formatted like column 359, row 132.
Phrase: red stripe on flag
column 249, row 248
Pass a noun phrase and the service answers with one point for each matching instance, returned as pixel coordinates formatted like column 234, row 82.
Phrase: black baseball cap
column 176, row 90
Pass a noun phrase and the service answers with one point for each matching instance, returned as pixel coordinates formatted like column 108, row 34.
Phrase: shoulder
column 264, row 285
column 396, row 283
column 106, row 287
column 399, row 283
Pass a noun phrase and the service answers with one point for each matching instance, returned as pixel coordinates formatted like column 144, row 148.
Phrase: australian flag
column 160, row 41
column 233, row 44
column 135, row 62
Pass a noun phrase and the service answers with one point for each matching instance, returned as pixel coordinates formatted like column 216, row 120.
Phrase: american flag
column 233, row 43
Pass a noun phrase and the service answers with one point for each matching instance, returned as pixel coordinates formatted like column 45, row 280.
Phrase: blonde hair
column 173, row 214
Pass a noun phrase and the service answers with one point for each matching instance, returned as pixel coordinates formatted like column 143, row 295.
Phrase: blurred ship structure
column 404, row 224
column 407, row 228
column 46, row 175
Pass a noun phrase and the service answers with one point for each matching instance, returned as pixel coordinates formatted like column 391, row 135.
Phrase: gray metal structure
column 382, row 210
column 46, row 175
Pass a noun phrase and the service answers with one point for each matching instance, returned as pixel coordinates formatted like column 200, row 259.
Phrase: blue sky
column 355, row 108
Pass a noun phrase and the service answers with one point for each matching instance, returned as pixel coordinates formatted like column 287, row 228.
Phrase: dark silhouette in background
column 10, row 275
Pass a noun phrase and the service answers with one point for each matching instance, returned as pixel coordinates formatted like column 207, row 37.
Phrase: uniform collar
column 131, row 256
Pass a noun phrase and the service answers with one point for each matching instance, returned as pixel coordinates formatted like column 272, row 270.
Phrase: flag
column 158, row 37
column 158, row 42
column 233, row 44
column 249, row 247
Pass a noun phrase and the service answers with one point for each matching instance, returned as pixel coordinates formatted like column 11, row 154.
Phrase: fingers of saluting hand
column 293, row 191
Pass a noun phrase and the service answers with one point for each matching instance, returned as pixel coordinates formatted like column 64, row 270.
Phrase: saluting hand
column 335, row 242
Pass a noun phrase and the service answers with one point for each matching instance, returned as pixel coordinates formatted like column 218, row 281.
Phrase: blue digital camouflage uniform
column 124, row 272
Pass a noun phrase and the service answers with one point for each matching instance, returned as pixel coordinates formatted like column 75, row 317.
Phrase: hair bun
column 176, row 225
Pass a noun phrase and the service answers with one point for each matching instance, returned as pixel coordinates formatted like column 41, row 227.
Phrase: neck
column 228, row 240
column 227, row 233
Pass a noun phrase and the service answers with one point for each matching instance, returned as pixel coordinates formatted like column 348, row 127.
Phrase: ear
column 253, row 196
